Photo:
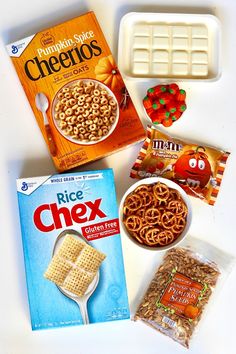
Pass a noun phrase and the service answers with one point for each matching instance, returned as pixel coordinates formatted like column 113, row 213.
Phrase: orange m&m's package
column 197, row 169
column 76, row 92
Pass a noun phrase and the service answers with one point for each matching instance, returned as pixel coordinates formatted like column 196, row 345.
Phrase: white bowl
column 169, row 184
column 68, row 137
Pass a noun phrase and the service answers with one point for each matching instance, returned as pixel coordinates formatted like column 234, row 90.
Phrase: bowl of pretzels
column 155, row 213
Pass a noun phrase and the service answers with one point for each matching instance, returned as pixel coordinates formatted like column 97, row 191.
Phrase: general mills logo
column 14, row 49
column 24, row 186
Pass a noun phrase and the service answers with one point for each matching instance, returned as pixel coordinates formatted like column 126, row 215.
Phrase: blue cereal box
column 72, row 249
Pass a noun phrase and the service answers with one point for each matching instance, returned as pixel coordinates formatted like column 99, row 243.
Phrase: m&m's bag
column 198, row 169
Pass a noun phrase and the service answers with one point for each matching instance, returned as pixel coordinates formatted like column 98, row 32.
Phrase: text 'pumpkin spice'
column 76, row 92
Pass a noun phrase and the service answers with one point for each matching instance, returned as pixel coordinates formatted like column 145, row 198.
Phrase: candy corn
column 175, row 116
column 167, row 122
column 156, row 105
column 147, row 102
column 173, row 89
column 159, row 89
column 181, row 95
column 165, row 98
column 181, row 106
column 171, row 107
column 151, row 93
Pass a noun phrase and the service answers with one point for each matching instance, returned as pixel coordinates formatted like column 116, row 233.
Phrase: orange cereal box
column 76, row 92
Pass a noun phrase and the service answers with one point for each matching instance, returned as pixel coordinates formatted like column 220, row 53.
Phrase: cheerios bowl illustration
column 85, row 111
column 155, row 213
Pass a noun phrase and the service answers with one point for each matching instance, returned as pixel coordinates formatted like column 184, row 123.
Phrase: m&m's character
column 193, row 167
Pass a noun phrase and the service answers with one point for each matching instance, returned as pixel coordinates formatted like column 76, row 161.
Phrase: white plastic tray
column 169, row 46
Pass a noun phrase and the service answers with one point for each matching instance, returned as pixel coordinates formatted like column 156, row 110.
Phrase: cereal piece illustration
column 90, row 259
column 78, row 281
column 85, row 111
column 74, row 266
column 58, row 270
column 70, row 248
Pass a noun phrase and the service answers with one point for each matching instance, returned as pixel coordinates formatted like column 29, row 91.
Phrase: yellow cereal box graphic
column 76, row 92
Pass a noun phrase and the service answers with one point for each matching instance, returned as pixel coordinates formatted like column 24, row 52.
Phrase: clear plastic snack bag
column 179, row 294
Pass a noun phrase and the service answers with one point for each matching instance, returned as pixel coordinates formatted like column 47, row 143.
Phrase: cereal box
column 72, row 249
column 76, row 92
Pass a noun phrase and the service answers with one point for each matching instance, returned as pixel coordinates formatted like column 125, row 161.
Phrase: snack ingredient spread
column 76, row 92
column 181, row 289
column 72, row 249
column 154, row 214
column 197, row 169
column 164, row 104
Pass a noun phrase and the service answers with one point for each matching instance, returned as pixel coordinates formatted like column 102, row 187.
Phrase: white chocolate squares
column 170, row 50
column 74, row 266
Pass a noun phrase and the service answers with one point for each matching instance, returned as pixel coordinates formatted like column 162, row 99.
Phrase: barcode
column 168, row 321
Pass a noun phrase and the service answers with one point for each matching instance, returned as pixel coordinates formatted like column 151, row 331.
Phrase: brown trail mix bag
column 181, row 289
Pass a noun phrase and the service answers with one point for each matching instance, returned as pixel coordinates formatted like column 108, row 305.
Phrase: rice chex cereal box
column 72, row 249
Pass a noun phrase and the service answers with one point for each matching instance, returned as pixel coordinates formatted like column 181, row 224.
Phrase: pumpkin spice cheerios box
column 72, row 249
column 76, row 92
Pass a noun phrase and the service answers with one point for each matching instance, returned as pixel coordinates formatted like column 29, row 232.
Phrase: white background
column 210, row 119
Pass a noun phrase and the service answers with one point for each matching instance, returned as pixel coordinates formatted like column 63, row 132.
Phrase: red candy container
column 165, row 104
